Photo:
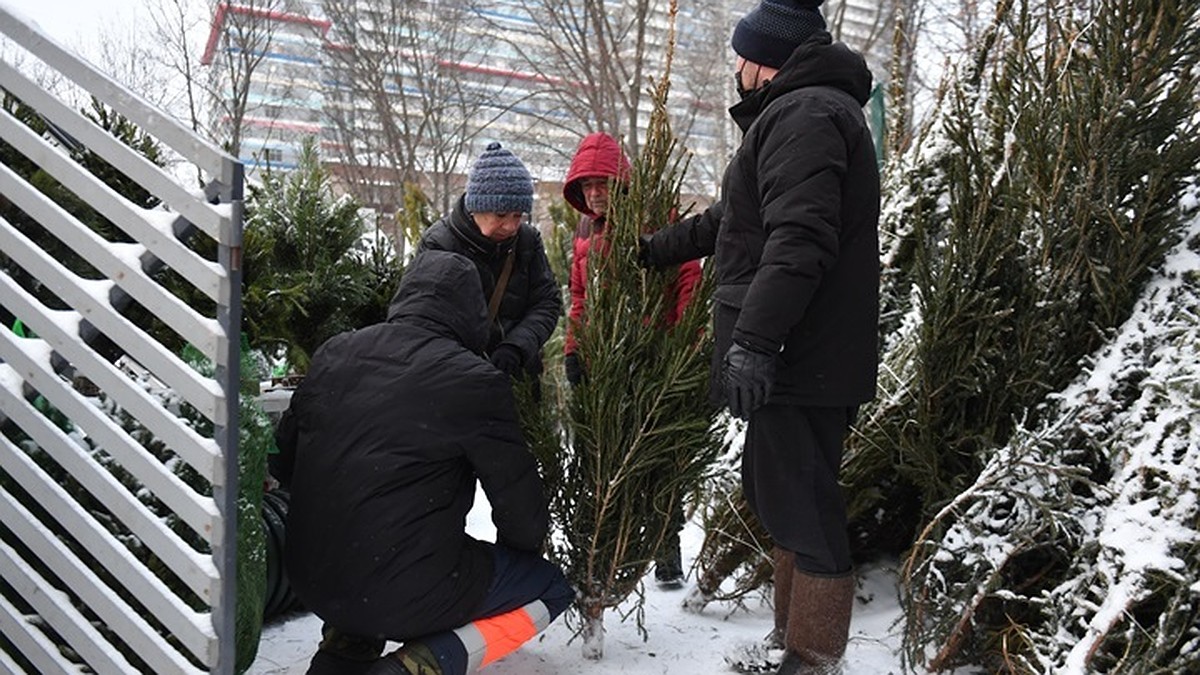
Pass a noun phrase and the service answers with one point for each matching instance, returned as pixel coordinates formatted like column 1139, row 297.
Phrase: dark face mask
column 742, row 91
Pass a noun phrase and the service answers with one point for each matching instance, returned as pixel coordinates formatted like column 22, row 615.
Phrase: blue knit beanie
column 499, row 183
column 771, row 32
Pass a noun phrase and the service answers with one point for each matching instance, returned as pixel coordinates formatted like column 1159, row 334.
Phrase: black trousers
column 790, row 464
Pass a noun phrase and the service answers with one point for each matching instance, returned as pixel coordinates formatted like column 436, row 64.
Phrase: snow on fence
column 117, row 547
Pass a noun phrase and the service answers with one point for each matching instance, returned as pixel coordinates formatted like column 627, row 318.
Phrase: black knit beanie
column 499, row 183
column 771, row 32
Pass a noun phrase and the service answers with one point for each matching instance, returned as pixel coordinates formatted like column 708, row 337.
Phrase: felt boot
column 785, row 565
column 818, row 624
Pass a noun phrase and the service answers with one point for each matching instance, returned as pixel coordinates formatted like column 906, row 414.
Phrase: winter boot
column 785, row 565
column 344, row 654
column 768, row 655
column 818, row 624
column 413, row 658
column 668, row 568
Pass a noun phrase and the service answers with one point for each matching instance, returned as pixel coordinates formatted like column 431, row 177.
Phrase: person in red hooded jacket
column 599, row 164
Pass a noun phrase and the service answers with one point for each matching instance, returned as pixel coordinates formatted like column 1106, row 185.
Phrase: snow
column 679, row 642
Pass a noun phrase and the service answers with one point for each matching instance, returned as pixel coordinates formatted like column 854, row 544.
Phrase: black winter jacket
column 795, row 234
column 385, row 438
column 532, row 300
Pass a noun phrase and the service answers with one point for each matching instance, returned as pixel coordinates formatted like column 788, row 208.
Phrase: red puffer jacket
column 600, row 156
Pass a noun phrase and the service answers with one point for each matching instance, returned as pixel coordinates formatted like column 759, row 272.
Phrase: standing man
column 795, row 239
column 382, row 447
column 487, row 225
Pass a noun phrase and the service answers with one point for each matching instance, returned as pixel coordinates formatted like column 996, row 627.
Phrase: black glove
column 574, row 368
column 645, row 252
column 507, row 360
column 749, row 375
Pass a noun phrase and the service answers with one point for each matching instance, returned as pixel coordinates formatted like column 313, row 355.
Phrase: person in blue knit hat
column 795, row 238
column 488, row 225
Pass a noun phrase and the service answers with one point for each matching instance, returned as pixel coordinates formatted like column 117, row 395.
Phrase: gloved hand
column 645, row 253
column 507, row 360
column 574, row 368
column 749, row 376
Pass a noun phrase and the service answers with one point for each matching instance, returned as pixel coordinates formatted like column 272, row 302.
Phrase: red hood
column 599, row 156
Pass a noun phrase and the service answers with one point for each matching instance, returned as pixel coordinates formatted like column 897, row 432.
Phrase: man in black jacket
column 795, row 238
column 381, row 447
column 487, row 225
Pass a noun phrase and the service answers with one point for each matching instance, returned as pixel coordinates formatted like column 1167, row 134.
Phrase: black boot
column 668, row 568
column 344, row 654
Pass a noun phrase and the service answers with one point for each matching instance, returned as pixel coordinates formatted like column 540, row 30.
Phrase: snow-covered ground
column 679, row 643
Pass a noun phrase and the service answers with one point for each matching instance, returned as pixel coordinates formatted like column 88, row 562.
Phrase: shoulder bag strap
column 501, row 283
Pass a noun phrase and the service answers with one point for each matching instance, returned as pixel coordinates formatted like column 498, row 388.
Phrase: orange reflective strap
column 504, row 633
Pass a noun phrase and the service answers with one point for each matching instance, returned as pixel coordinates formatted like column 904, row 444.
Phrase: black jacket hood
column 442, row 291
column 819, row 62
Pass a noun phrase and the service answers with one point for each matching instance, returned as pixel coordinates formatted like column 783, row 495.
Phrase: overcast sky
column 72, row 21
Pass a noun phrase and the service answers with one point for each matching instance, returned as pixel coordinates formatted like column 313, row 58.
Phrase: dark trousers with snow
column 790, row 464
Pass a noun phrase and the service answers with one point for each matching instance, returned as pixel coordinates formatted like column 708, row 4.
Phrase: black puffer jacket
column 386, row 437
column 795, row 234
column 532, row 300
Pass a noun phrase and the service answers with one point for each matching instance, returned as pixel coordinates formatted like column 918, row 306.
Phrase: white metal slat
column 185, row 321
column 131, row 628
column 209, row 219
column 202, row 453
column 194, row 510
column 195, row 569
column 206, row 276
column 7, row 664
column 29, row 641
column 202, row 153
column 202, row 392
column 53, row 606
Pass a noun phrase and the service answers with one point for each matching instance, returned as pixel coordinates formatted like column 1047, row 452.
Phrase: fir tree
column 1025, row 224
column 633, row 441
column 308, row 273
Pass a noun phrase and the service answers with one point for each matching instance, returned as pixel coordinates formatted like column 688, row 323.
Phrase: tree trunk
column 593, row 629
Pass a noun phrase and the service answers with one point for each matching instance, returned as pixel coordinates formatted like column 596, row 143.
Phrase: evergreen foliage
column 560, row 245
column 256, row 439
column 631, row 443
column 1031, row 216
column 308, row 272
column 1024, row 224
column 736, row 545
column 1075, row 548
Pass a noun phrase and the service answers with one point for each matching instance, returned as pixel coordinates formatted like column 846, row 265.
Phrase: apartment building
column 409, row 91
column 279, row 49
